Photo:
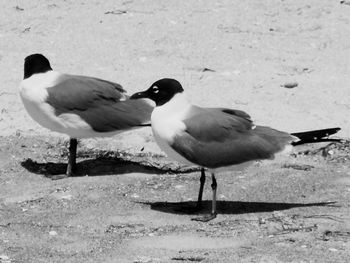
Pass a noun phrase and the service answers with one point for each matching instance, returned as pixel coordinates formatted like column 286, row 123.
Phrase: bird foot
column 204, row 218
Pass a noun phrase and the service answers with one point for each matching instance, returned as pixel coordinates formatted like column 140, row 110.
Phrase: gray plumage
column 100, row 103
column 222, row 137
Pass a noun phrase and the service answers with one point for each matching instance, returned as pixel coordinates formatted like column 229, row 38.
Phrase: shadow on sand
column 229, row 207
column 92, row 167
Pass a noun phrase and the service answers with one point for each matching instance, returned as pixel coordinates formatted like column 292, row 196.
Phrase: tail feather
column 315, row 136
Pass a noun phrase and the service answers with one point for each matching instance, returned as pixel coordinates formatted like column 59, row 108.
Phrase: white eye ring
column 155, row 89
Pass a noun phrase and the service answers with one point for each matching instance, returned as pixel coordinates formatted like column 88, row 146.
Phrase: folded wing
column 222, row 137
column 102, row 104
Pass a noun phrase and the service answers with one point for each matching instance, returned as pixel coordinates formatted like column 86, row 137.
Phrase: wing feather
column 222, row 137
column 102, row 104
column 216, row 124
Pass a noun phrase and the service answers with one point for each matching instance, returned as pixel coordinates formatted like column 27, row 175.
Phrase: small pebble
column 345, row 2
column 67, row 197
column 262, row 221
column 290, row 85
column 53, row 233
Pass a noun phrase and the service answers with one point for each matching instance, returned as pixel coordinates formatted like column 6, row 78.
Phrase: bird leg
column 193, row 209
column 213, row 214
column 72, row 158
column 201, row 187
column 214, row 186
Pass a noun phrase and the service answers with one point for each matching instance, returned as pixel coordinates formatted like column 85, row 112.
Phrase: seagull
column 79, row 106
column 216, row 139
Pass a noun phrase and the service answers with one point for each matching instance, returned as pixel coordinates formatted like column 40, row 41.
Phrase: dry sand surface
column 235, row 54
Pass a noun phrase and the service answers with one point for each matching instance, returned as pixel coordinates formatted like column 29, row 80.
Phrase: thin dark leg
column 199, row 204
column 213, row 213
column 214, row 186
column 72, row 158
column 201, row 187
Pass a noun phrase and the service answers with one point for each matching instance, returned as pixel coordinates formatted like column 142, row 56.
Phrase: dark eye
column 155, row 89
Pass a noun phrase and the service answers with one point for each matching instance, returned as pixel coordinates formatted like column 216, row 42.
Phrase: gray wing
column 102, row 104
column 216, row 124
column 223, row 139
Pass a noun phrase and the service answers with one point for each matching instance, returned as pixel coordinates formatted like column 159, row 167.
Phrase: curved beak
column 139, row 95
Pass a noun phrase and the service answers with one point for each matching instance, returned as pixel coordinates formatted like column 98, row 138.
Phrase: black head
column 35, row 63
column 161, row 91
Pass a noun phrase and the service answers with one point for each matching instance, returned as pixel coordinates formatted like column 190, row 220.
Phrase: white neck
column 167, row 122
column 177, row 106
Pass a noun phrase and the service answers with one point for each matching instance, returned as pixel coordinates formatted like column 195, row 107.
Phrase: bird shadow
column 228, row 207
column 92, row 167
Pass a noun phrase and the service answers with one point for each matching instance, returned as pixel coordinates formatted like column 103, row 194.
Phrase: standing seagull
column 79, row 106
column 213, row 138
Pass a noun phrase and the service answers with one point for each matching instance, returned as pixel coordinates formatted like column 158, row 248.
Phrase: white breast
column 34, row 94
column 167, row 123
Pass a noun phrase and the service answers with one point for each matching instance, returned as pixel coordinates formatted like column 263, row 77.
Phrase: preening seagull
column 213, row 138
column 78, row 106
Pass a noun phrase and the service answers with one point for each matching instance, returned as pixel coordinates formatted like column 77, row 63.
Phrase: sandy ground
column 251, row 48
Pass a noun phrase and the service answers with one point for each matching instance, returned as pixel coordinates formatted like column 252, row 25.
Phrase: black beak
column 139, row 95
